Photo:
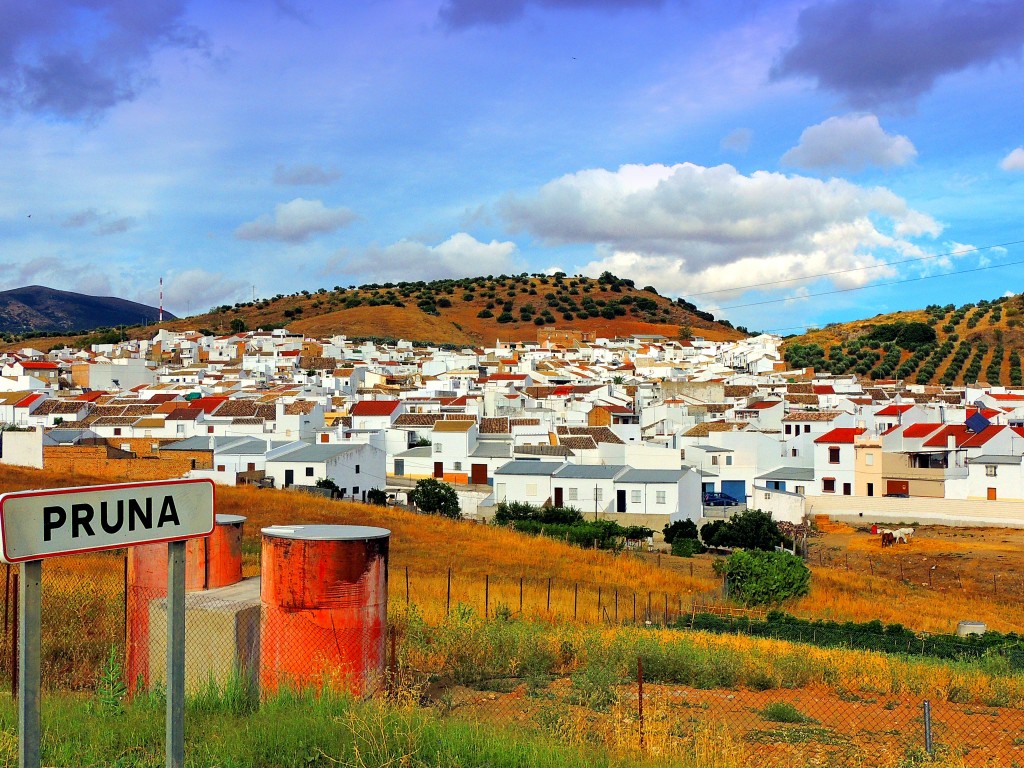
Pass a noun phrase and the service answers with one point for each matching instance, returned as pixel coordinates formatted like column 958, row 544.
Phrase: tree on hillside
column 435, row 498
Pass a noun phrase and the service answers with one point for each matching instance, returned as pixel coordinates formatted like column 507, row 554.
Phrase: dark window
column 309, row 471
column 789, row 429
column 355, row 490
column 828, row 485
column 847, row 489
column 357, row 469
column 833, row 455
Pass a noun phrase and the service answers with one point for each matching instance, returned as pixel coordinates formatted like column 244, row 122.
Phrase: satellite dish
column 979, row 404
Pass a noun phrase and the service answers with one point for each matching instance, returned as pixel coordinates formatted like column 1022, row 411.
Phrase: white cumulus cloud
column 461, row 255
column 1013, row 161
column 690, row 228
column 852, row 142
column 296, row 222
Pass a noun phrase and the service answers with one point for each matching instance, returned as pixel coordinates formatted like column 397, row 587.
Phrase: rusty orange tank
column 324, row 591
column 210, row 562
column 224, row 552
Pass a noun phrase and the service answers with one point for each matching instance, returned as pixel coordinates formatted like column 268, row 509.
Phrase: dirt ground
column 986, row 561
column 833, row 728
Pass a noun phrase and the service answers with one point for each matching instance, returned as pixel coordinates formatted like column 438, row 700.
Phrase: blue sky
column 752, row 156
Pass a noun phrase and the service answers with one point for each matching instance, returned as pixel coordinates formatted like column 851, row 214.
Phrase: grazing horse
column 903, row 534
column 888, row 539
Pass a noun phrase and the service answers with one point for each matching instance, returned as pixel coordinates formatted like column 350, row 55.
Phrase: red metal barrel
column 224, row 552
column 325, row 600
column 210, row 562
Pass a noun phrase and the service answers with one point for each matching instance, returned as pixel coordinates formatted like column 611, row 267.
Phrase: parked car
column 714, row 499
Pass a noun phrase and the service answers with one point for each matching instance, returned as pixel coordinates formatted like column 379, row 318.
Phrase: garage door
column 735, row 488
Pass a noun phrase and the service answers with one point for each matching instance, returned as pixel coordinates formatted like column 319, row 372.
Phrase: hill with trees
column 978, row 342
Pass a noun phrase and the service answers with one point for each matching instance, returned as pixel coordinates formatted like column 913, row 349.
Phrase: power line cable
column 873, row 285
column 856, row 269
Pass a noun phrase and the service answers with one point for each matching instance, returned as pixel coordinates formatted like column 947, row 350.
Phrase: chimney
column 951, row 442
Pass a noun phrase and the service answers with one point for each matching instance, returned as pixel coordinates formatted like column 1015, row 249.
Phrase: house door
column 871, row 489
column 620, row 501
column 289, row 477
column 558, row 497
column 991, row 494
column 439, row 469
column 478, row 474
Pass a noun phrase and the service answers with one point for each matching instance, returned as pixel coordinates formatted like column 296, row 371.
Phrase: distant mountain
column 38, row 308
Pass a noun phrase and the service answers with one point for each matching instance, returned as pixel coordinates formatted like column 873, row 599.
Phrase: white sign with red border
column 35, row 525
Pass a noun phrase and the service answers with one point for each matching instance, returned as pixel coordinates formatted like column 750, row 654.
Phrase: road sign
column 35, row 525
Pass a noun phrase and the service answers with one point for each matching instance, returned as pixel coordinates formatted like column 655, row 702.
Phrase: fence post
column 616, row 605
column 487, row 595
column 598, row 602
column 634, row 607
column 549, row 594
column 640, row 697
column 14, row 640
column 7, row 595
column 392, row 682
column 448, row 599
column 575, row 598
column 520, row 595
column 124, row 604
column 928, row 727
column 650, row 595
column 407, row 586
column 666, row 608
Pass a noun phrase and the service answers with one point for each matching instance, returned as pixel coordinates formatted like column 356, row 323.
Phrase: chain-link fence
column 582, row 663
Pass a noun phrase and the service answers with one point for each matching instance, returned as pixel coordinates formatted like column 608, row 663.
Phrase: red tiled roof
column 1007, row 396
column 375, row 407
column 962, row 436
column 33, row 365
column 26, row 401
column 895, row 410
column 761, row 405
column 824, row 389
column 90, row 397
column 988, row 413
column 207, row 404
column 841, row 435
column 920, row 430
column 184, row 414
column 161, row 397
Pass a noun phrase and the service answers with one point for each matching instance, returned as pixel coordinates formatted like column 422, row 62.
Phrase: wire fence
column 539, row 655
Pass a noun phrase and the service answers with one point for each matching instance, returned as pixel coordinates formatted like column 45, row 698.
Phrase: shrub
column 485, row 313
column 766, row 578
column 680, row 529
column 784, row 712
column 751, row 529
column 436, row 498
column 687, row 547
column 377, row 496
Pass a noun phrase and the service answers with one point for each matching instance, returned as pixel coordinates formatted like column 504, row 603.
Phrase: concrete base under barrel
column 222, row 637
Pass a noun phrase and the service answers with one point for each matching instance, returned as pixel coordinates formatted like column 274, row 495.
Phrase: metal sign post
column 29, row 632
column 36, row 525
column 176, row 654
